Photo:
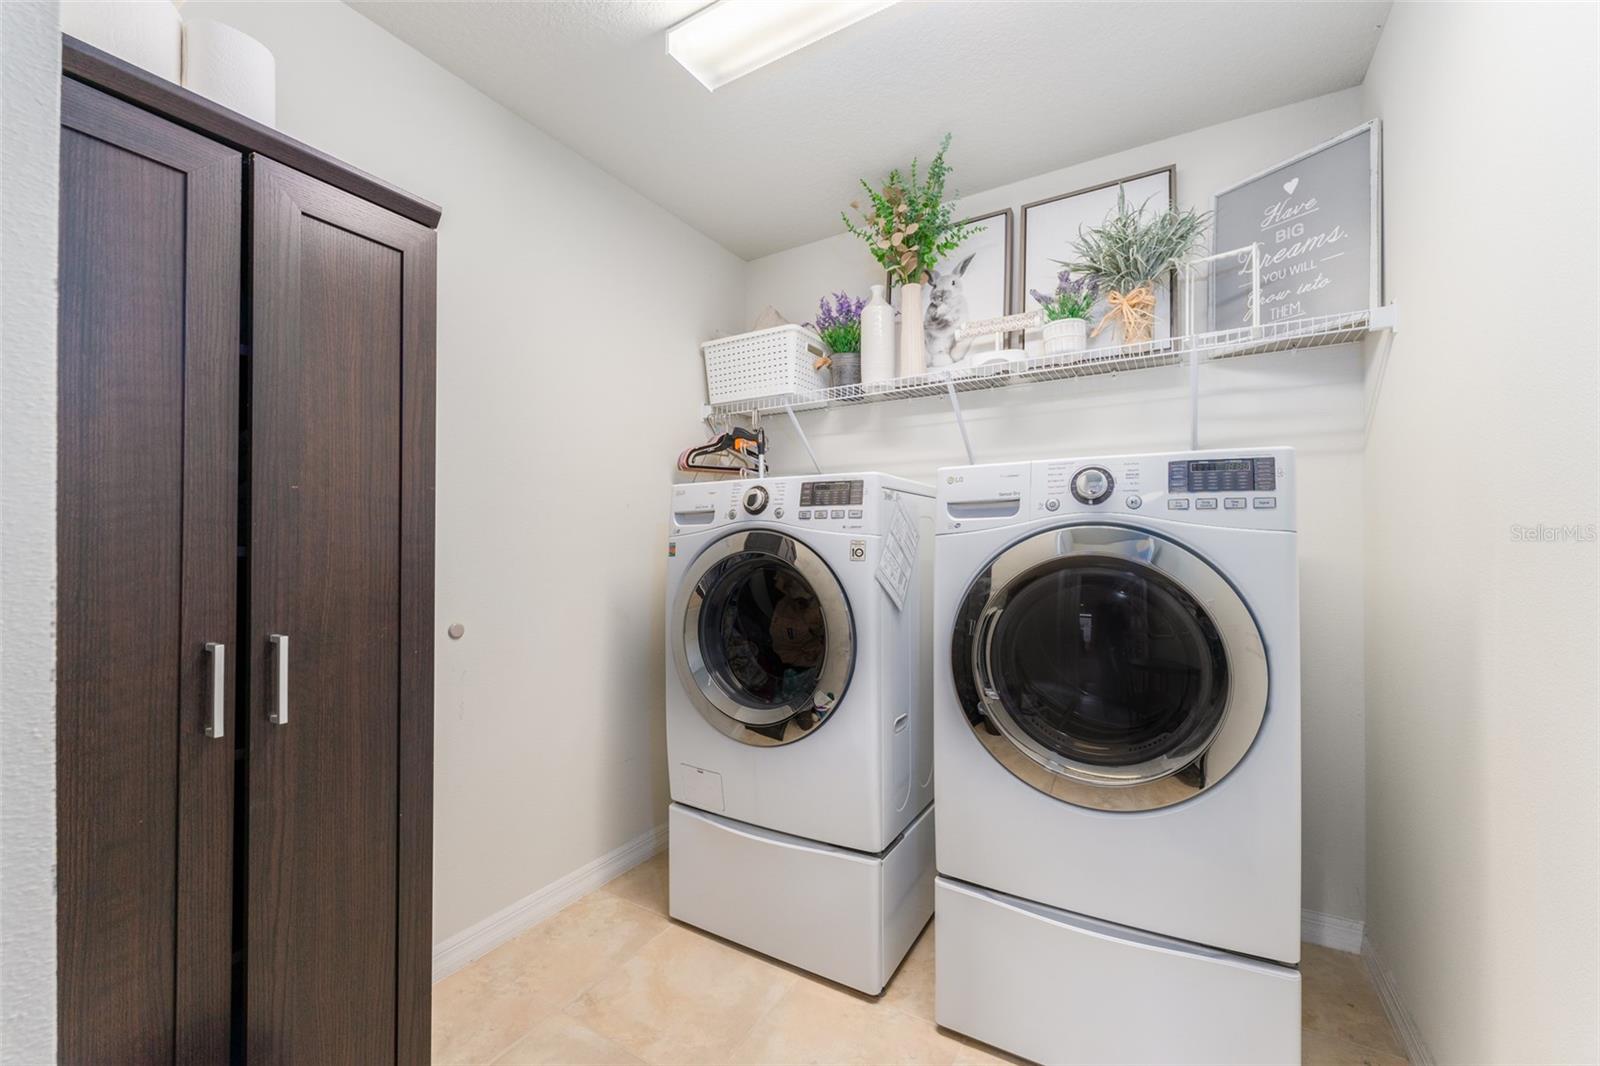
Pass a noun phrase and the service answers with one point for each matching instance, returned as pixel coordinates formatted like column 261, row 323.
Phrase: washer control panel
column 846, row 505
column 831, row 494
column 839, row 504
column 1255, row 473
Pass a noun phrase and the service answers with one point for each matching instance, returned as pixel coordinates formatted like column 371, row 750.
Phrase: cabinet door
column 341, row 549
column 146, row 556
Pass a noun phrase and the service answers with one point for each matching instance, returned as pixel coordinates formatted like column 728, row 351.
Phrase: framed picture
column 1050, row 229
column 1319, row 221
column 973, row 282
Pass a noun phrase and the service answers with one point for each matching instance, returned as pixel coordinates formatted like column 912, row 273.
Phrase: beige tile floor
column 612, row 979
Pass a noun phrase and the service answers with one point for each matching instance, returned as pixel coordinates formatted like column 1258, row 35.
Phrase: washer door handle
column 982, row 644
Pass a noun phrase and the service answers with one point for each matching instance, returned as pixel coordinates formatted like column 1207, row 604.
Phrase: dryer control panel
column 1248, row 488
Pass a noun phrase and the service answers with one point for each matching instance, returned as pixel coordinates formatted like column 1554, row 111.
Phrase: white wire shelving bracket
column 1192, row 349
column 800, row 432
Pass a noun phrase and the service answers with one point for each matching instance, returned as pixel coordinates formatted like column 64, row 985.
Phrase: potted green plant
column 1128, row 254
column 909, row 227
column 1066, row 313
column 839, row 326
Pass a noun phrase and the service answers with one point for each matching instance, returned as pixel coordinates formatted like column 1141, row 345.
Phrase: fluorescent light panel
column 731, row 38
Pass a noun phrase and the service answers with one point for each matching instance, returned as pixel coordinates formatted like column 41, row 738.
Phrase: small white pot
column 1064, row 336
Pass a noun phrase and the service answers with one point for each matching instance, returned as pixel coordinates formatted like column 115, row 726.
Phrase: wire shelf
column 1176, row 351
column 1318, row 332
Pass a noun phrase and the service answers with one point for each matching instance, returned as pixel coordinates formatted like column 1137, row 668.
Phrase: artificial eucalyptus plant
column 907, row 224
column 1128, row 253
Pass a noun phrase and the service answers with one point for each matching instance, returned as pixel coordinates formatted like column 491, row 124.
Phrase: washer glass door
column 767, row 641
column 1123, row 670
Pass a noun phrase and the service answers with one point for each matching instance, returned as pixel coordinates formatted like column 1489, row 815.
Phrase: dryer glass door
column 767, row 642
column 1124, row 668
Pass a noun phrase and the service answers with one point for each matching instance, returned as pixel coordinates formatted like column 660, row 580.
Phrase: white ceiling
column 767, row 162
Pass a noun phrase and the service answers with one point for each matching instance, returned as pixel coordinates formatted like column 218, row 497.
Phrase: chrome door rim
column 1160, row 781
column 722, row 709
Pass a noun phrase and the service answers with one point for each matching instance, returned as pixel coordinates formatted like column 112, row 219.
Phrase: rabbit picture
column 944, row 309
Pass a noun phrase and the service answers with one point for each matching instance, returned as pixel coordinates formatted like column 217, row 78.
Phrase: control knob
column 1092, row 484
column 755, row 499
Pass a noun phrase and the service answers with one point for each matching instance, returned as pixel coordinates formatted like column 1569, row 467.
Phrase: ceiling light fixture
column 731, row 38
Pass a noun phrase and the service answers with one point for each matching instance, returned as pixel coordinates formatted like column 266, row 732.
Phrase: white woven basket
column 768, row 362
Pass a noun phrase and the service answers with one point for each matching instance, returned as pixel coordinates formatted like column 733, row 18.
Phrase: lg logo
column 954, row 479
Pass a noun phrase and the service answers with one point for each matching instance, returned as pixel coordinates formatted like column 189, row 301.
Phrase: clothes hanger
column 737, row 451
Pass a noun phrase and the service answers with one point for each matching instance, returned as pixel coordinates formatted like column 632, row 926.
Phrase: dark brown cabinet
column 341, row 564
column 148, row 484
column 246, row 596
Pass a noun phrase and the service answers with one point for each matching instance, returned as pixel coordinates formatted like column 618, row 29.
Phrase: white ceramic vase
column 877, row 339
column 913, row 349
column 1066, row 336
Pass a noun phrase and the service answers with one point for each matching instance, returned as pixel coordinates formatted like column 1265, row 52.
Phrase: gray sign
column 1316, row 218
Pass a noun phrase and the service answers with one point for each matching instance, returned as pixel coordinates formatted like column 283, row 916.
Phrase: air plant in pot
column 1128, row 254
column 1066, row 312
column 909, row 227
column 839, row 326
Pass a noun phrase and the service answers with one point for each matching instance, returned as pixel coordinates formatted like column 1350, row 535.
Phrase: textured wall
column 30, row 71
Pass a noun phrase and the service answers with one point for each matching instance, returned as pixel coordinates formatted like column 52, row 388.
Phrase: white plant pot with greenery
column 1065, row 336
column 908, row 227
column 1066, row 315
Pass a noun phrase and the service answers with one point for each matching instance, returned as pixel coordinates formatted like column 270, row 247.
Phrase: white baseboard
column 455, row 952
column 1331, row 931
column 1405, row 1025
column 450, row 955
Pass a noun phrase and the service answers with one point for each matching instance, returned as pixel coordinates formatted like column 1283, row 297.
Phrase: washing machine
column 1117, row 753
column 799, row 717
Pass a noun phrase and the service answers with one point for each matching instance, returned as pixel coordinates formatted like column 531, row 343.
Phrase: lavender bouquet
column 840, row 325
column 1073, row 298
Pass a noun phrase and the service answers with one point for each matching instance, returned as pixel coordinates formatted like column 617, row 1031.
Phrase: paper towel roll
column 147, row 33
column 230, row 67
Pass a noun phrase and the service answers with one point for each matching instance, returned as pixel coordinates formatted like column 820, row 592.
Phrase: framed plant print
column 1050, row 229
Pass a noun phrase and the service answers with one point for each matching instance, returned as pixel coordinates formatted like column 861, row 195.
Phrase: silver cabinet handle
column 279, row 715
column 217, row 685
